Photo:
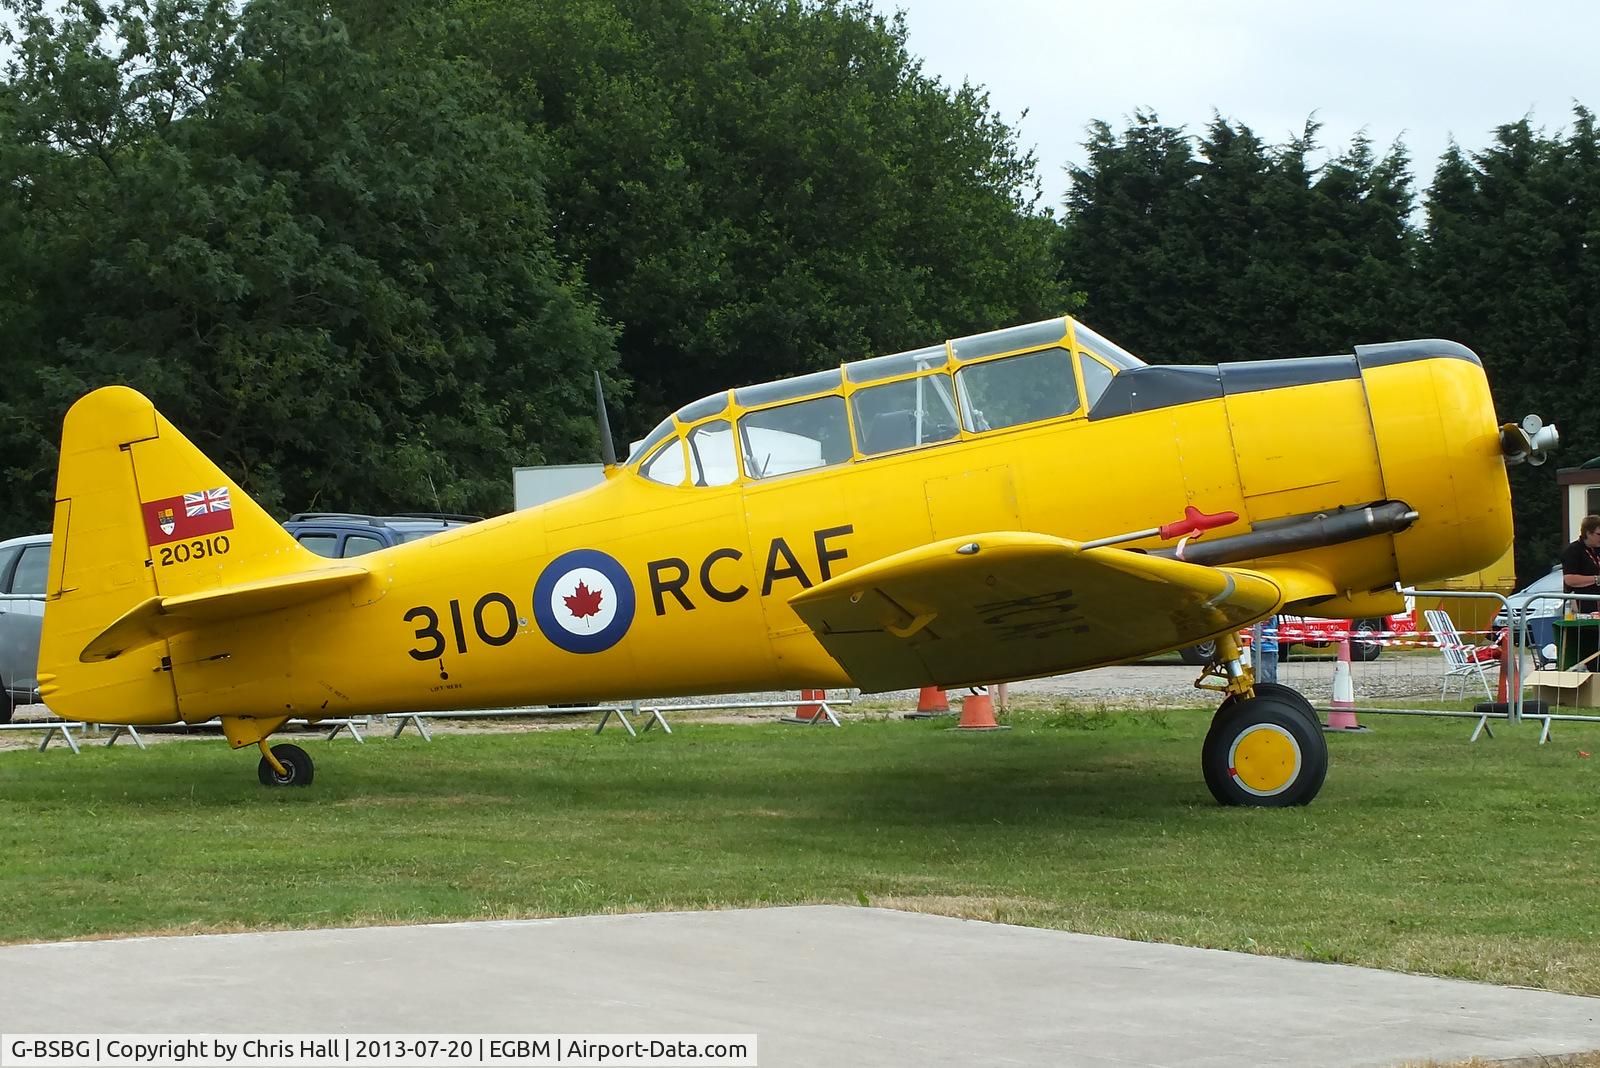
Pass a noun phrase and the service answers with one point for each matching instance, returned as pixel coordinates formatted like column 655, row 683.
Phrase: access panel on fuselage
column 808, row 527
column 1088, row 479
column 1305, row 448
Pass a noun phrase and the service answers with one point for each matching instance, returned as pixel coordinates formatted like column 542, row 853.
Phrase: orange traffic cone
column 1510, row 670
column 931, row 702
column 1342, row 709
column 977, row 712
column 810, row 705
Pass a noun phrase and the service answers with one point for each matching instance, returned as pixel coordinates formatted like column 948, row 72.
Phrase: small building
column 540, row 485
column 1580, row 495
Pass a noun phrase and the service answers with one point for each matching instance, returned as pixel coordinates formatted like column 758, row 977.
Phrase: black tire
column 1365, row 650
column 7, row 705
column 1198, row 655
column 1285, row 755
column 296, row 761
column 1279, row 691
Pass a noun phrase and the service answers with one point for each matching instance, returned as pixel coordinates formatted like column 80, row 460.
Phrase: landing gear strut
column 284, row 765
column 1265, row 748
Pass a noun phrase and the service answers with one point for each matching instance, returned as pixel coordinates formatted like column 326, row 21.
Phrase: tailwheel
column 1264, row 752
column 294, row 762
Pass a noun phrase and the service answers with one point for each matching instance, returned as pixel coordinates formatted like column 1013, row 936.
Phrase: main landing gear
column 284, row 765
column 1265, row 748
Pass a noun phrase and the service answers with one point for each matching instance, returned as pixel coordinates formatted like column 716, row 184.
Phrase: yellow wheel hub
column 1264, row 759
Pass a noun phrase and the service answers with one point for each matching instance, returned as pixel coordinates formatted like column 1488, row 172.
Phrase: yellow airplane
column 1014, row 504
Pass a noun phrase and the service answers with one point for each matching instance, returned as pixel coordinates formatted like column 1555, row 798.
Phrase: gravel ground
column 1155, row 684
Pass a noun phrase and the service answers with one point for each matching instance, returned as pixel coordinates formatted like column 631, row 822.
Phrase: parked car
column 343, row 534
column 1366, row 635
column 24, row 569
column 1536, row 613
column 1366, row 642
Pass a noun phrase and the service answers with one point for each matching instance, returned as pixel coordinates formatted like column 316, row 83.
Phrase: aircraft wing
column 1012, row 605
column 156, row 618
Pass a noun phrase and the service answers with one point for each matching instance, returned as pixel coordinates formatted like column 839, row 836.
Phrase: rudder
column 140, row 513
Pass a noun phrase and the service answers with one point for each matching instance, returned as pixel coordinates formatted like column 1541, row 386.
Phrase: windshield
column 1109, row 351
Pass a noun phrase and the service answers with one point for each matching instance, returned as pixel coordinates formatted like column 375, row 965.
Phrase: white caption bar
column 402, row 1051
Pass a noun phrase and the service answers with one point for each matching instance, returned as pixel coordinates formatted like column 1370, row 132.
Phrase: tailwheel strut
column 284, row 765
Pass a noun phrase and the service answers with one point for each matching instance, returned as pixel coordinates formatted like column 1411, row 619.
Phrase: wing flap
column 1012, row 605
column 157, row 618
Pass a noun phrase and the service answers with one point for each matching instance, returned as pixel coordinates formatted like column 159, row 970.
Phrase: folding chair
column 1463, row 661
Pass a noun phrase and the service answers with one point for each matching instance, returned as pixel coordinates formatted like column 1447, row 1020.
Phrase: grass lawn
column 1424, row 853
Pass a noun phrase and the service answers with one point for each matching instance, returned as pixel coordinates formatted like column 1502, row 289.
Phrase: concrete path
column 819, row 985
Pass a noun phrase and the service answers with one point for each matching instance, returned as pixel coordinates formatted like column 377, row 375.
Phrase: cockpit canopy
column 888, row 404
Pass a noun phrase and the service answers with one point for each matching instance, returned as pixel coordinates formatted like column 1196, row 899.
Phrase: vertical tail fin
column 140, row 513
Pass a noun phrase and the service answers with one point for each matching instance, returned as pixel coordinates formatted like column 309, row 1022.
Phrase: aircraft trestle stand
column 51, row 728
column 652, row 717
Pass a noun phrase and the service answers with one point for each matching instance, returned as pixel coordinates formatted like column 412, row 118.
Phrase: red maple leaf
column 583, row 602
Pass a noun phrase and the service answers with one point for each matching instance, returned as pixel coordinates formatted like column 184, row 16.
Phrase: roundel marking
column 583, row 601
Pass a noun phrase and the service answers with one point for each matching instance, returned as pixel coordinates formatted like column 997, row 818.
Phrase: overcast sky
column 1421, row 71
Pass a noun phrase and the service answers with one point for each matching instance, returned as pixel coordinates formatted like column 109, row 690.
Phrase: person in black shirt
column 1580, row 564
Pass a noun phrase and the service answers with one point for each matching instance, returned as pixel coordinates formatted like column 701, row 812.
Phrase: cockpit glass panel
column 1096, row 379
column 666, row 466
column 1018, row 389
column 904, row 414
column 795, row 437
column 1010, row 339
column 650, row 440
column 712, row 461
column 693, row 413
column 783, row 389
column 901, row 363
column 1109, row 351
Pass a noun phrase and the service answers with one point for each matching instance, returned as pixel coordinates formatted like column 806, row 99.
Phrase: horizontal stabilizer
column 158, row 618
column 1013, row 605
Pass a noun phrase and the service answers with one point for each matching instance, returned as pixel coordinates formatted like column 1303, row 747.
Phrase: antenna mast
column 608, row 451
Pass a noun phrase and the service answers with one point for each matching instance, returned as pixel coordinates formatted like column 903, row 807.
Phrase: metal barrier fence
column 351, row 724
column 1398, row 669
column 1576, row 676
column 1405, row 664
column 416, row 719
column 629, row 714
column 88, row 728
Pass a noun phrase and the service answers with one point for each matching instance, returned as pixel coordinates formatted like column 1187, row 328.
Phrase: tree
column 1511, row 268
column 1131, row 239
column 760, row 188
column 334, row 273
column 1363, row 250
column 1238, row 249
